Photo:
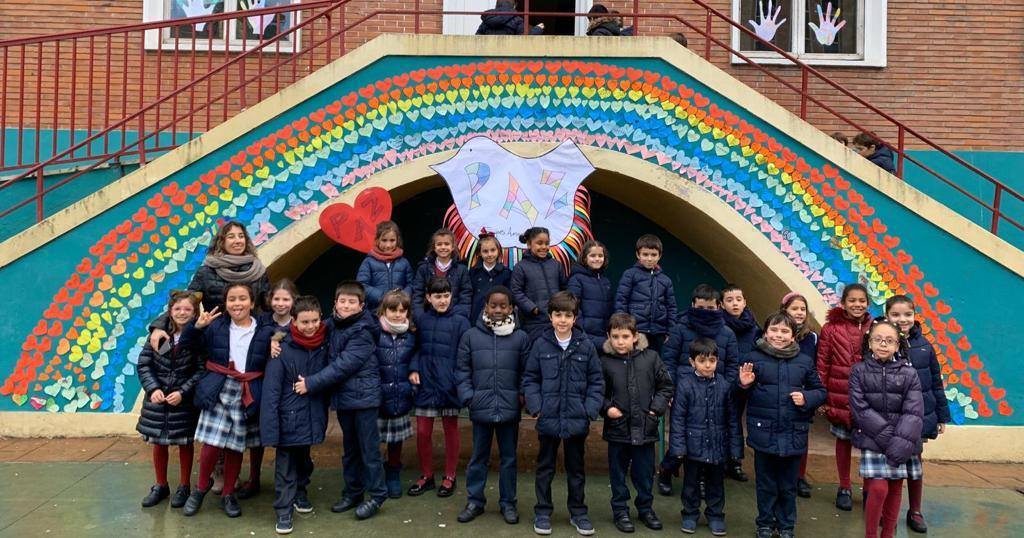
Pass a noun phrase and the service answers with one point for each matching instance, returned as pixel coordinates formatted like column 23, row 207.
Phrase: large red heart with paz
column 355, row 225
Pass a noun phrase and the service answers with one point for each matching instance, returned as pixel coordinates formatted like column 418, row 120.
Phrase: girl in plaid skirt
column 887, row 410
column 229, row 393
column 395, row 348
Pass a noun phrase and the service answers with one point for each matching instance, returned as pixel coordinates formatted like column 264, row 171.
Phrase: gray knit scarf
column 227, row 267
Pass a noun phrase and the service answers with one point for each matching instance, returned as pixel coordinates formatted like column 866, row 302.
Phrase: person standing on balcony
column 603, row 23
column 873, row 150
column 494, row 22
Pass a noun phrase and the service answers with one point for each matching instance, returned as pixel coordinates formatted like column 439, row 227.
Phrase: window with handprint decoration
column 235, row 34
column 819, row 32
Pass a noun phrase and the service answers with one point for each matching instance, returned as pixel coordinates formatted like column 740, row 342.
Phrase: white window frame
column 153, row 11
column 871, row 24
column 468, row 24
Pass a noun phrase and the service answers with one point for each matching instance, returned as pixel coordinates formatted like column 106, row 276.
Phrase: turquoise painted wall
column 345, row 133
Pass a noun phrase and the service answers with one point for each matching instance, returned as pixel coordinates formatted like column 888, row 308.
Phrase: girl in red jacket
column 839, row 348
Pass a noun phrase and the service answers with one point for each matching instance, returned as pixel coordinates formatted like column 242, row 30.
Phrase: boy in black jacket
column 637, row 391
column 705, row 434
column 290, row 421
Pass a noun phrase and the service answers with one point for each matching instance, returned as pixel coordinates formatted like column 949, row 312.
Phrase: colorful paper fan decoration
column 565, row 252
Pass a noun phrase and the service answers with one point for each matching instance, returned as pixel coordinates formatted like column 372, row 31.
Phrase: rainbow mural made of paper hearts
column 81, row 353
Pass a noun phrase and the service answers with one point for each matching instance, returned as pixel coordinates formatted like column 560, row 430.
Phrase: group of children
column 430, row 342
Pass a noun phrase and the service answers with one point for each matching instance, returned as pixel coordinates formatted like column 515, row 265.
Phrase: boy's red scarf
column 309, row 342
column 244, row 379
column 386, row 256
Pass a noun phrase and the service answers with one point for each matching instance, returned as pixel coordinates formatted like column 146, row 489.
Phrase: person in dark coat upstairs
column 591, row 286
column 564, row 390
column 168, row 376
column 637, row 390
column 488, row 273
column 535, row 279
column 290, row 421
column 887, row 409
column 229, row 392
column 443, row 260
column 873, row 150
column 385, row 268
column 795, row 305
column 782, row 390
column 396, row 345
column 602, row 22
column 491, row 360
column 432, row 373
column 646, row 293
column 493, row 22
column 352, row 379
column 706, row 433
column 899, row 309
column 704, row 319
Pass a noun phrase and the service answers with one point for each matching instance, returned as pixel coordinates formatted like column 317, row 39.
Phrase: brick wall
column 955, row 68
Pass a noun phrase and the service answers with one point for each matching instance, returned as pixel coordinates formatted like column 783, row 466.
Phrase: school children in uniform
column 168, row 376
column 795, row 305
column 636, row 395
column 900, row 310
column 396, row 346
column 432, row 373
column 491, row 359
column 229, row 392
column 782, row 390
column 385, row 268
column 535, row 279
column 591, row 286
column 564, row 389
column 888, row 417
column 443, row 260
column 839, row 348
column 488, row 272
column 352, row 380
column 740, row 319
column 646, row 293
column 290, row 421
column 281, row 299
column 704, row 319
column 705, row 434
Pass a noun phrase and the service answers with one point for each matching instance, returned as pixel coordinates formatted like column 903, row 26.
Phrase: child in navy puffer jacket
column 443, row 260
column 535, row 279
column 395, row 348
column 887, row 410
column 564, row 388
column 593, row 290
column 899, row 309
column 432, row 371
column 795, row 305
column 384, row 268
column 290, row 421
column 488, row 273
column 706, row 433
column 646, row 293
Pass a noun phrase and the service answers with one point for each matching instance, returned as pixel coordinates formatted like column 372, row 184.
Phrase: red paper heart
column 354, row 227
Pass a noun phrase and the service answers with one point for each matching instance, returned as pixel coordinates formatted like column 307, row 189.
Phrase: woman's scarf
column 501, row 328
column 227, row 267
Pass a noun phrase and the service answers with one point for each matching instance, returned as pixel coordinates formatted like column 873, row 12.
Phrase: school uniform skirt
column 394, row 429
column 433, row 412
column 840, row 432
column 874, row 465
column 225, row 426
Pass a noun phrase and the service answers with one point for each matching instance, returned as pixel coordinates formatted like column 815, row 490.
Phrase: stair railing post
column 707, row 34
column 901, row 149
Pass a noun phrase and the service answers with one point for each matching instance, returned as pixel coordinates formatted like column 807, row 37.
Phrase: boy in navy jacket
column 705, row 434
column 564, row 389
column 646, row 293
column 290, row 421
column 353, row 379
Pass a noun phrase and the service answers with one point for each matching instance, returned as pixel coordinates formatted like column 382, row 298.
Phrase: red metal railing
column 200, row 71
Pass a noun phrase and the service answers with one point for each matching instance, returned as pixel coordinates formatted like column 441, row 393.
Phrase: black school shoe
column 447, row 487
column 367, row 510
column 421, row 486
column 650, row 520
column 734, row 470
column 470, row 512
column 915, row 520
column 345, row 504
column 194, row 502
column 510, row 514
column 180, row 497
column 624, row 524
column 157, row 493
column 844, row 500
column 229, row 503
column 803, row 489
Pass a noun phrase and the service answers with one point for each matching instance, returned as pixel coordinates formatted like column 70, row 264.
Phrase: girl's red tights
column 915, row 491
column 395, row 455
column 843, row 458
column 232, row 467
column 255, row 464
column 185, row 455
column 425, row 448
column 882, row 507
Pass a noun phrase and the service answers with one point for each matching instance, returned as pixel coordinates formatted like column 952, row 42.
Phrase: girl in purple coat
column 887, row 411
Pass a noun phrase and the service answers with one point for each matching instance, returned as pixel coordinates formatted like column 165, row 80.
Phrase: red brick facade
column 955, row 68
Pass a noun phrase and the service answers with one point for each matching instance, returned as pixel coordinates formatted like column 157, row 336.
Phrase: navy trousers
column 292, row 469
column 776, row 490
column 363, row 467
column 484, row 433
column 638, row 462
